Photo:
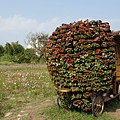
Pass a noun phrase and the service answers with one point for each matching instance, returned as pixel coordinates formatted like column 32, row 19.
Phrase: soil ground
column 34, row 111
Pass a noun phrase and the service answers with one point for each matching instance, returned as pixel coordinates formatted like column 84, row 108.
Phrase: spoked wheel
column 63, row 98
column 58, row 102
column 97, row 105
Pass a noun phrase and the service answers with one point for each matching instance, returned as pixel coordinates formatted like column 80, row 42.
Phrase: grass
column 29, row 85
column 20, row 84
column 55, row 113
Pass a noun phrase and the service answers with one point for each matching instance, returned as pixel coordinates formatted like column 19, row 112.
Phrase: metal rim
column 97, row 105
column 65, row 90
column 58, row 102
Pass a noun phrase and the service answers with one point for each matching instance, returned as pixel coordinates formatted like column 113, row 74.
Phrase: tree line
column 15, row 52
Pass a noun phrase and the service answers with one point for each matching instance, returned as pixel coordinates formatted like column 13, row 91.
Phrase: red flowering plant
column 80, row 56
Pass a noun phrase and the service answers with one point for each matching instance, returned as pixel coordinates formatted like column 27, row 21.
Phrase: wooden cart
column 98, row 99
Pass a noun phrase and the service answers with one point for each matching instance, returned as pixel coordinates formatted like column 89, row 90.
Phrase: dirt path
column 114, row 111
column 29, row 111
column 34, row 111
column 115, row 114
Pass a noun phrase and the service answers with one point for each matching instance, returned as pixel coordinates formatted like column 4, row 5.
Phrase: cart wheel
column 97, row 105
column 58, row 102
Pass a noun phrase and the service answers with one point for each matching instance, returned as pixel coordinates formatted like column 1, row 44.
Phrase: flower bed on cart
column 81, row 56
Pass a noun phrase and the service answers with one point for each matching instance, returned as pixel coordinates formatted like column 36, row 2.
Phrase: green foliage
column 19, row 58
column 17, row 48
column 15, row 52
column 1, row 50
column 6, row 57
column 30, row 55
column 14, row 48
column 8, row 49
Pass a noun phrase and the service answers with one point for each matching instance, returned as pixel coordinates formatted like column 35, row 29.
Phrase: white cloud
column 15, row 23
column 16, row 28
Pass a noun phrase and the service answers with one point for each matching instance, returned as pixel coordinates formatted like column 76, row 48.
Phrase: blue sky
column 19, row 17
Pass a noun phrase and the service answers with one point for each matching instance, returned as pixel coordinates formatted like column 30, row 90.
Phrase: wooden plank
column 117, row 68
column 117, row 74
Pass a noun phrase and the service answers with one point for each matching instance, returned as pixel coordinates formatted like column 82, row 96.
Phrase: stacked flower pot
column 81, row 56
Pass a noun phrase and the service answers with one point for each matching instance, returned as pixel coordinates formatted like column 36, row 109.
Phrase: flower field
column 20, row 84
column 29, row 85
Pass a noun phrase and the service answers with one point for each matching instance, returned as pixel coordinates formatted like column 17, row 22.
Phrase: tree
column 37, row 41
column 8, row 49
column 17, row 48
column 1, row 50
column 30, row 55
column 18, row 52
